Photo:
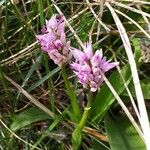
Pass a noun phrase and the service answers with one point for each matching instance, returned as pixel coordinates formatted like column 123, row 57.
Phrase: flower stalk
column 77, row 133
column 71, row 94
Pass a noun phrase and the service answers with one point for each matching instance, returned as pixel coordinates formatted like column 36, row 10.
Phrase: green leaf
column 76, row 138
column 27, row 117
column 105, row 98
column 122, row 135
column 137, row 48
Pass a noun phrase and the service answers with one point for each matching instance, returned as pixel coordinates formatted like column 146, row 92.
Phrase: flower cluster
column 53, row 40
column 89, row 67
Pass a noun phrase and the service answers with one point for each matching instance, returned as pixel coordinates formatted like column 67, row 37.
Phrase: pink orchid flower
column 53, row 40
column 89, row 66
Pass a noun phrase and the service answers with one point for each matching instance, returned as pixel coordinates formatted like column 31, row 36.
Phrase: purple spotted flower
column 89, row 66
column 53, row 40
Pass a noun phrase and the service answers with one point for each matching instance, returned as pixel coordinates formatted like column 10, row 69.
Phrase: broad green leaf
column 122, row 135
column 105, row 98
column 27, row 117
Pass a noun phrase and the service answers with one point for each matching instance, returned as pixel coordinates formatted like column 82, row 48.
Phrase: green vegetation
column 35, row 109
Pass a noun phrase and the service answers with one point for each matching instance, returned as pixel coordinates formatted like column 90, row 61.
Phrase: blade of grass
column 46, row 77
column 130, row 8
column 16, row 136
column 57, row 120
column 144, row 17
column 134, row 22
column 123, row 106
column 6, row 32
column 128, row 91
column 29, row 22
column 135, row 1
column 68, row 24
column 28, row 48
column 97, row 17
column 31, row 98
column 49, row 82
column 144, row 121
column 30, row 72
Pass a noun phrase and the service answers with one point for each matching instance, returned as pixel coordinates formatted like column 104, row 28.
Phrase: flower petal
column 46, row 41
column 58, row 44
column 76, row 66
column 89, row 67
column 79, row 55
column 93, row 86
column 96, row 59
column 88, row 50
column 107, row 66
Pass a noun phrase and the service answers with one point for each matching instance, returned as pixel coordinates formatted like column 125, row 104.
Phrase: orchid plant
column 53, row 41
column 88, row 67
column 63, row 88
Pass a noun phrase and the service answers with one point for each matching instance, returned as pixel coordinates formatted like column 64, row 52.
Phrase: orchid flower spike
column 89, row 67
column 53, row 40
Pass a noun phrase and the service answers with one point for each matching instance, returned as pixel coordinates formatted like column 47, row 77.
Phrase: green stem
column 40, row 8
column 71, row 94
column 77, row 133
column 86, row 111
